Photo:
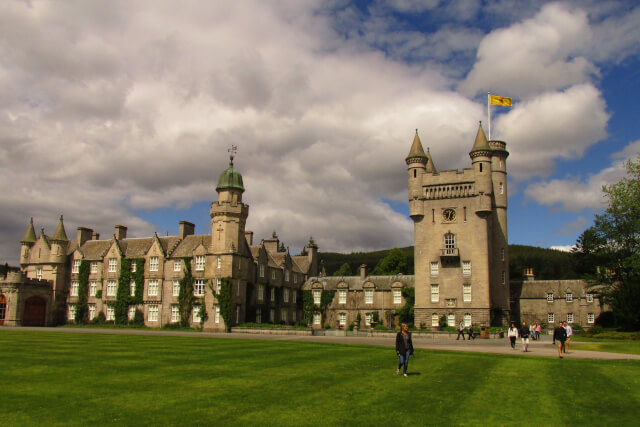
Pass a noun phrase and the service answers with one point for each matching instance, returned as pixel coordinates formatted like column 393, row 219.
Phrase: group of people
column 561, row 335
column 461, row 331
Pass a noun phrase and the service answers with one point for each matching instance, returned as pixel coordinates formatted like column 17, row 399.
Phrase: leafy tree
column 609, row 251
column 405, row 314
column 344, row 270
column 394, row 263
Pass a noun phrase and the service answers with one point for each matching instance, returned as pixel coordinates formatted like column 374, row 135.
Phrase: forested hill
column 547, row 264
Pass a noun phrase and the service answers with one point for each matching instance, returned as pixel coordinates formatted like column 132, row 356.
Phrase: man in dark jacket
column 404, row 348
column 524, row 336
column 559, row 337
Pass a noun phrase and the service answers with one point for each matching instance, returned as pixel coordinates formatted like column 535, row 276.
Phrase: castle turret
column 59, row 243
column 481, row 162
column 27, row 242
column 417, row 162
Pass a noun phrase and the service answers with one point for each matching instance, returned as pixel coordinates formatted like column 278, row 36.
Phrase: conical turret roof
column 481, row 143
column 431, row 167
column 417, row 152
column 30, row 234
column 60, row 234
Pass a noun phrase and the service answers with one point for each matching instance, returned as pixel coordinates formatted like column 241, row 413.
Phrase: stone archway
column 35, row 311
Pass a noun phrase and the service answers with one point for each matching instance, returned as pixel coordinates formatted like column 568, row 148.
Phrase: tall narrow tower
column 27, row 242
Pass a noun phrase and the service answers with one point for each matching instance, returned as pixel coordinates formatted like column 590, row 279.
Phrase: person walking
column 524, row 336
column 512, row 333
column 460, row 331
column 404, row 348
column 470, row 332
column 569, row 329
column 559, row 337
column 538, row 330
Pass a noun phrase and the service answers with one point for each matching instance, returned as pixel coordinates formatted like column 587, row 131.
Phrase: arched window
column 451, row 319
column 467, row 319
column 435, row 320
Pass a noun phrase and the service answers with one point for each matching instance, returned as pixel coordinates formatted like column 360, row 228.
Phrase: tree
column 609, row 251
column 344, row 270
column 394, row 263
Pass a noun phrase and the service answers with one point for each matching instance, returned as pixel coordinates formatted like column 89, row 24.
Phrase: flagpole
column 489, row 112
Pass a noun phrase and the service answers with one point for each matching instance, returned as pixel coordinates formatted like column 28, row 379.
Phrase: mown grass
column 64, row 378
column 614, row 346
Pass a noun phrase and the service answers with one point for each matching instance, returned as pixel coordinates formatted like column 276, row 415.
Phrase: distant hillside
column 547, row 264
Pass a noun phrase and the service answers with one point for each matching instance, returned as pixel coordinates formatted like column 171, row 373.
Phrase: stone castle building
column 266, row 279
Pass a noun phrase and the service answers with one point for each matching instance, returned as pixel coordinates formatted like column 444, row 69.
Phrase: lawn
column 64, row 378
column 612, row 346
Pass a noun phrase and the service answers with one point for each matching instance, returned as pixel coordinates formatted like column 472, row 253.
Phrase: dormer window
column 153, row 263
column 200, row 260
column 113, row 265
column 76, row 266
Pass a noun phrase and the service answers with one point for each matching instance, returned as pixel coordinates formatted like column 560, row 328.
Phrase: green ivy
column 225, row 302
column 185, row 297
column 82, row 307
column 123, row 297
column 406, row 312
column 138, row 277
column 309, row 307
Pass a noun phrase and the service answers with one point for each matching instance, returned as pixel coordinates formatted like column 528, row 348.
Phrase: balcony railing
column 449, row 252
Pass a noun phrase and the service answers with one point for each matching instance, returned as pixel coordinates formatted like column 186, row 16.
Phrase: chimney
column 120, row 232
column 83, row 235
column 95, row 236
column 528, row 274
column 363, row 271
column 249, row 236
column 271, row 245
column 186, row 229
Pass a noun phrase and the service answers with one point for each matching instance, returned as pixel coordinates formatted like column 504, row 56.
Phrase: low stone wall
column 355, row 333
column 272, row 331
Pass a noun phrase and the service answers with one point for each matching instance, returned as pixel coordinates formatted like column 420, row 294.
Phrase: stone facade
column 265, row 282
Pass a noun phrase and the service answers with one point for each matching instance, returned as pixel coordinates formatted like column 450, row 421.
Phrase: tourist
column 470, row 332
column 524, row 336
column 538, row 330
column 513, row 334
column 559, row 337
column 404, row 348
column 569, row 329
column 460, row 331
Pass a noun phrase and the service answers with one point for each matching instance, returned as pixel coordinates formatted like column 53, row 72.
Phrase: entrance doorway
column 3, row 308
column 35, row 310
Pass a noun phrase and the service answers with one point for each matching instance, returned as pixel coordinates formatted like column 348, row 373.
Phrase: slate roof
column 537, row 289
column 356, row 283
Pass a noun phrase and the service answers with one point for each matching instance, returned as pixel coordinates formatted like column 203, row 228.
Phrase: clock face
column 449, row 215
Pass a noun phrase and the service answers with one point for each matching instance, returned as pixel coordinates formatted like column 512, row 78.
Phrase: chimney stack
column 528, row 274
column 83, row 235
column 186, row 229
column 249, row 236
column 120, row 232
column 363, row 271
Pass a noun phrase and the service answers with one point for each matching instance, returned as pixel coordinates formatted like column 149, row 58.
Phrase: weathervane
column 233, row 150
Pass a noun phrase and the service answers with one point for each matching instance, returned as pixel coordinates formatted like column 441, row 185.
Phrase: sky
column 122, row 112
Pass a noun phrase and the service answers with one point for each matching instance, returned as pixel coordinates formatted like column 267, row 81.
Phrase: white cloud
column 564, row 248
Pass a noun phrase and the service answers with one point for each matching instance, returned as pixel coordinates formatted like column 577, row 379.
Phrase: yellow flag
column 499, row 100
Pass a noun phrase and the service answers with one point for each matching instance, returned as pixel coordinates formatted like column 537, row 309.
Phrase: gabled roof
column 185, row 247
column 302, row 261
column 356, row 283
column 537, row 289
column 95, row 249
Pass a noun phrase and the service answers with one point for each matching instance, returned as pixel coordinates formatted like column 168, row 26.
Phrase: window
column 367, row 319
column 285, row 295
column 569, row 317
column 94, row 267
column 72, row 312
column 549, row 297
column 316, row 318
column 342, row 296
column 92, row 311
column 273, row 294
column 283, row 315
column 342, row 319
column 449, row 241
column 175, row 314
column 218, row 284
column 501, row 188
column 113, row 265
column 504, row 277
column 368, row 296
column 451, row 319
column 258, row 315
column 435, row 320
column 153, row 313
column 467, row 319
column 39, row 273
column 75, row 268
column 293, row 316
column 551, row 318
column 589, row 297
column 220, row 262
column 295, row 278
column 112, row 286
column 273, row 275
column 134, row 267
column 93, row 287
column 153, row 288
column 397, row 296
column 200, row 259
column 569, row 297
column 260, row 292
column 435, row 293
column 238, row 290
column 466, row 292
column 466, row 268
column 294, row 296
column 272, row 315
column 591, row 319
column 261, row 270
column 111, row 313
column 132, row 288
column 177, row 266
column 286, row 275
column 434, row 269
column 74, row 288
column 175, row 288
column 451, row 302
column 198, row 288
column 196, row 314
column 153, row 263
column 217, row 315
column 132, row 312
column 501, row 254
column 316, row 296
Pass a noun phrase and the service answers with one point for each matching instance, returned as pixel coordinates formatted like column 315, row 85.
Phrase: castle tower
column 459, row 236
column 27, row 242
column 59, row 242
column 228, row 213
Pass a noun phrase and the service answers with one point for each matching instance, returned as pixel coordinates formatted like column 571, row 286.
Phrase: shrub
column 442, row 324
column 380, row 327
column 351, row 326
column 99, row 319
column 595, row 329
column 138, row 318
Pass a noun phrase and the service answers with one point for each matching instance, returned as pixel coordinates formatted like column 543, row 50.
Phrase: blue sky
column 122, row 112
